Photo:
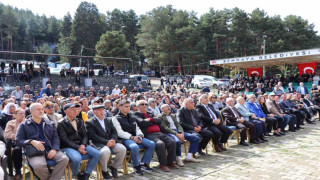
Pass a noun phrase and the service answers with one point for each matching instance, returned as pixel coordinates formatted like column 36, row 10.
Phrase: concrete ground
column 294, row 156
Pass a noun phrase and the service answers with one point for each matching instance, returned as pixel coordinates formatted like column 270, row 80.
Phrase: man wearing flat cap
column 97, row 101
column 103, row 136
column 74, row 142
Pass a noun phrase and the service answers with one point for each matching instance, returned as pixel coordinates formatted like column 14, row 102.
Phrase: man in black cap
column 74, row 140
column 97, row 101
column 103, row 135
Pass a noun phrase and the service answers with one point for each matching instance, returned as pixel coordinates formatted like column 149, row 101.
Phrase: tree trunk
column 11, row 41
column 1, row 40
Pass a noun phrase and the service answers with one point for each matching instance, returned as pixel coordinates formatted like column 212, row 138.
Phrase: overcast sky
column 307, row 9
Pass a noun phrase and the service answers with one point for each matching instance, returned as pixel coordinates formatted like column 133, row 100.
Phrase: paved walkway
column 294, row 156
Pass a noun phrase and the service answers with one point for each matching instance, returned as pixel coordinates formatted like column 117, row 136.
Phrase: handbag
column 31, row 151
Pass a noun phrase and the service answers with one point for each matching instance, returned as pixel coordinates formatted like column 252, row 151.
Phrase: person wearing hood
column 175, row 102
column 153, row 106
column 62, row 104
column 7, row 114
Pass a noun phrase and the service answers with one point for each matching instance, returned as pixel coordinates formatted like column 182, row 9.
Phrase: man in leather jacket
column 74, row 142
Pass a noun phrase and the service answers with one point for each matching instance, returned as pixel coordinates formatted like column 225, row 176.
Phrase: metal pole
column 125, row 68
column 45, row 66
column 88, row 67
column 264, row 52
column 264, row 46
column 82, row 46
column 132, row 72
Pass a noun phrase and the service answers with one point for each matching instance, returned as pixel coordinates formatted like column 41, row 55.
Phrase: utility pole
column 264, row 46
column 132, row 66
column 88, row 67
column 264, row 52
column 82, row 46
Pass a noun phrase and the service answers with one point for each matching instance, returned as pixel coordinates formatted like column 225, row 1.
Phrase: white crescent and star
column 308, row 68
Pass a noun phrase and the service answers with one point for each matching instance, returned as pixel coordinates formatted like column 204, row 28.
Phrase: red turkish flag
column 255, row 71
column 307, row 68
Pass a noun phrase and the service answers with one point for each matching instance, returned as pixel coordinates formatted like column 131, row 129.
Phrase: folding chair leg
column 69, row 170
column 31, row 174
column 99, row 171
column 125, row 166
column 238, row 138
column 24, row 173
column 66, row 174
column 185, row 148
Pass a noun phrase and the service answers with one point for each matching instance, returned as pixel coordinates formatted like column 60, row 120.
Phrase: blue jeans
column 286, row 119
column 75, row 157
column 134, row 148
column 195, row 140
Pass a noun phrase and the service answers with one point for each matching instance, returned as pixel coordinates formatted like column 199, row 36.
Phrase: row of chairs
column 68, row 172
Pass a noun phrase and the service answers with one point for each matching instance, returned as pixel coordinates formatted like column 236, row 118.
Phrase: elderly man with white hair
column 251, row 117
column 37, row 133
column 212, row 121
column 173, row 129
column 17, row 93
column 302, row 90
column 191, row 123
column 116, row 90
column 149, row 125
column 233, row 118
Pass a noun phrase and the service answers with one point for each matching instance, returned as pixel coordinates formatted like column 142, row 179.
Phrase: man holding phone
column 133, row 138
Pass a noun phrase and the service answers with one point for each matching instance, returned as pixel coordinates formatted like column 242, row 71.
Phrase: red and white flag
column 307, row 68
column 255, row 71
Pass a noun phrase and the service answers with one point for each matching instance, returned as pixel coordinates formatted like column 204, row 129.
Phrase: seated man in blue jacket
column 256, row 109
column 42, row 135
column 251, row 117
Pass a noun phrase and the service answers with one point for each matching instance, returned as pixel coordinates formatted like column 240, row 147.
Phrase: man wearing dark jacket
column 191, row 123
column 42, row 135
column 103, row 136
column 233, row 118
column 133, row 138
column 258, row 91
column 150, row 127
column 74, row 142
column 211, row 120
column 171, row 126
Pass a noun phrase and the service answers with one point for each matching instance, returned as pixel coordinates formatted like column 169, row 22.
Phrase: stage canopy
column 292, row 57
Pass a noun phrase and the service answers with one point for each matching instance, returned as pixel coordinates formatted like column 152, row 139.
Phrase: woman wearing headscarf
column 7, row 114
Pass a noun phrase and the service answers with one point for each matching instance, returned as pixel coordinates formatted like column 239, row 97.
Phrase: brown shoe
column 17, row 177
column 222, row 148
column 217, row 148
column 173, row 166
column 164, row 168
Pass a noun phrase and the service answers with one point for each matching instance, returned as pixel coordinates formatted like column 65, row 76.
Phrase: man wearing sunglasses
column 149, row 125
column 50, row 114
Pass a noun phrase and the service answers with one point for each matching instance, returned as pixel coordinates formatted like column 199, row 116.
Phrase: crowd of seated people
column 67, row 125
